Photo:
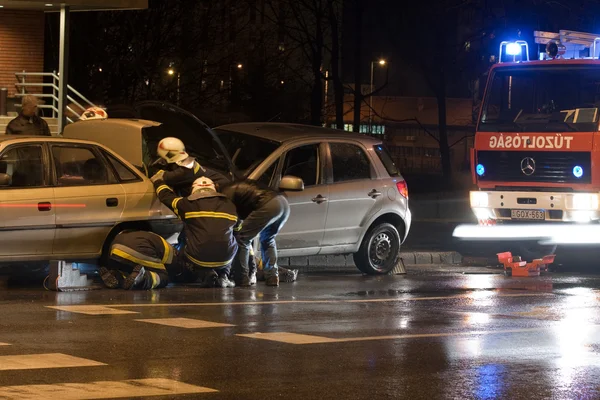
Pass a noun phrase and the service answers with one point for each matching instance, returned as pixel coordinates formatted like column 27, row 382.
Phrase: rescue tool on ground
column 534, row 159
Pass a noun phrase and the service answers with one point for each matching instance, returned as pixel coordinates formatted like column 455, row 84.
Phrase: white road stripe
column 295, row 338
column 187, row 323
column 92, row 310
column 102, row 390
column 4, row 344
column 42, row 361
column 111, row 308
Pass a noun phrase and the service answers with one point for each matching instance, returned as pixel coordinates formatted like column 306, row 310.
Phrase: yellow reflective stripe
column 209, row 264
column 210, row 214
column 174, row 204
column 154, row 277
column 167, row 251
column 161, row 188
column 196, row 167
column 239, row 227
column 136, row 260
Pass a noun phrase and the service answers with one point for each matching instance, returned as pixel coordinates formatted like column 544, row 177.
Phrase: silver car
column 354, row 200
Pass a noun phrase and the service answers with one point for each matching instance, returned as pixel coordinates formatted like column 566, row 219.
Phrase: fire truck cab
column 536, row 157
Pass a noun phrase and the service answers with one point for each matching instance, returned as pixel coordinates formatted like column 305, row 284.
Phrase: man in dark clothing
column 209, row 218
column 27, row 122
column 263, row 212
column 139, row 260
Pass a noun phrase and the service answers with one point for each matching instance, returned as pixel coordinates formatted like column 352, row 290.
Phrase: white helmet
column 171, row 150
column 93, row 113
column 203, row 183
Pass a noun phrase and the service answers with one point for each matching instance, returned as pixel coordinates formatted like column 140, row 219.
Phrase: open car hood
column 200, row 140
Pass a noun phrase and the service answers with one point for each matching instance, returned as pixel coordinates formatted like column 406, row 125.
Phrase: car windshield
column 552, row 98
column 246, row 151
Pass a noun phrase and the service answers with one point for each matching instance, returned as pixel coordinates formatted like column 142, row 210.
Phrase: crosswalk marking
column 92, row 310
column 296, row 338
column 115, row 309
column 39, row 361
column 187, row 323
column 102, row 390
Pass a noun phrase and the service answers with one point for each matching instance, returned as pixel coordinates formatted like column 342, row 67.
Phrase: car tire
column 379, row 251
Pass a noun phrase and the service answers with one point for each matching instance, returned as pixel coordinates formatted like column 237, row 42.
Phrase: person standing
column 28, row 122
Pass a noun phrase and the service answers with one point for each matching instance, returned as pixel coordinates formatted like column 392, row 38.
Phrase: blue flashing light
column 513, row 49
column 577, row 171
column 480, row 169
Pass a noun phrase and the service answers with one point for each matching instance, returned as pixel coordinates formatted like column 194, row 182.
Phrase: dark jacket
column 146, row 246
column 180, row 178
column 248, row 196
column 29, row 126
column 209, row 218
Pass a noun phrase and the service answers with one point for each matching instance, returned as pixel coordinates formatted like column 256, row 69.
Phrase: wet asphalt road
column 436, row 333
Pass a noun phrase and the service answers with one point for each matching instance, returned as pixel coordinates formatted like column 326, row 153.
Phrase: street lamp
column 171, row 72
column 382, row 63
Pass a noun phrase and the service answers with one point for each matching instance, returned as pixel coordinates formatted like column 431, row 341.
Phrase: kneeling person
column 140, row 261
column 209, row 218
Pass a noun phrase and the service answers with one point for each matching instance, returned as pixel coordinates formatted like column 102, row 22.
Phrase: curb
column 346, row 262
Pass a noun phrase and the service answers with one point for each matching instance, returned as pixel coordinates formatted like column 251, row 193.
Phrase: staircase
column 4, row 120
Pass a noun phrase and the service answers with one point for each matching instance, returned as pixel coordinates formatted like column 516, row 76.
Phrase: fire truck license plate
column 528, row 214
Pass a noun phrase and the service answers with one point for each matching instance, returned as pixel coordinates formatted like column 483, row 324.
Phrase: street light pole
column 178, row 86
column 382, row 63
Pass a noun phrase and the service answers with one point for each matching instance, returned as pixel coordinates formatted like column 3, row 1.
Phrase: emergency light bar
column 514, row 49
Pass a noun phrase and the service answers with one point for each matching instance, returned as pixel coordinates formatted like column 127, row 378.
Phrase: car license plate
column 528, row 214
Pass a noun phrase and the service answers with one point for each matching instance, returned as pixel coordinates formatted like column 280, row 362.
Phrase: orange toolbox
column 513, row 266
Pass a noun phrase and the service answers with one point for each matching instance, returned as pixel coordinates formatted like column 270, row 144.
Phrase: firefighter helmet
column 93, row 113
column 171, row 150
column 203, row 183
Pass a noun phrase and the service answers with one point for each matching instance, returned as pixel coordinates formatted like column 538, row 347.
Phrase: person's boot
column 224, row 282
column 109, row 277
column 252, row 270
column 135, row 278
column 210, row 279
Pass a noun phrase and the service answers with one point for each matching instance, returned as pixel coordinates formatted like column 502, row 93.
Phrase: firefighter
column 138, row 260
column 263, row 212
column 183, row 170
column 209, row 218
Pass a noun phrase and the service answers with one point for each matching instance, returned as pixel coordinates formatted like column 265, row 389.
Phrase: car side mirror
column 291, row 183
column 4, row 180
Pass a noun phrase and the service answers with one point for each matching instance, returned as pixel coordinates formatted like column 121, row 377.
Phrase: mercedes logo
column 528, row 165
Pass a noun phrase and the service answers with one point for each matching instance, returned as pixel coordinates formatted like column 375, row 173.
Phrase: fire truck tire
column 532, row 251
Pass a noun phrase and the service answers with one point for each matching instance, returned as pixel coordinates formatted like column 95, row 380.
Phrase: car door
column 303, row 232
column 353, row 192
column 92, row 197
column 27, row 209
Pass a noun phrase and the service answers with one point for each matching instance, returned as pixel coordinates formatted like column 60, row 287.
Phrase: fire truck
column 536, row 155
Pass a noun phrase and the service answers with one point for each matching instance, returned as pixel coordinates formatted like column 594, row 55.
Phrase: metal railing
column 73, row 95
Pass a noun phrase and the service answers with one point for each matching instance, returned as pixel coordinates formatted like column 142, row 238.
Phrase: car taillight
column 402, row 188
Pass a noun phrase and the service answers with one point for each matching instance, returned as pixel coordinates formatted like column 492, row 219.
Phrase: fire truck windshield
column 549, row 98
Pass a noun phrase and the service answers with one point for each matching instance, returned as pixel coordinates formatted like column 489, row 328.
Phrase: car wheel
column 379, row 251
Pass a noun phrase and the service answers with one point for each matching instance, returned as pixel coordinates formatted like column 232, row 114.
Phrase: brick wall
column 21, row 46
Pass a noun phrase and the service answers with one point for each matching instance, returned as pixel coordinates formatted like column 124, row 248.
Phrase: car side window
column 24, row 165
column 124, row 173
column 267, row 177
column 77, row 166
column 349, row 162
column 303, row 162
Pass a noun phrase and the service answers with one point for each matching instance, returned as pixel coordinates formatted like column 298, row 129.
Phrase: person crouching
column 138, row 260
column 209, row 218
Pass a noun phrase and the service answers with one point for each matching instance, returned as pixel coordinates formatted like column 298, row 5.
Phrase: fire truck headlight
column 577, row 171
column 480, row 169
column 513, row 49
column 479, row 199
column 585, row 201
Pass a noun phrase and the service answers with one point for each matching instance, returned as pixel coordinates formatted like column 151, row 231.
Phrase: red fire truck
column 536, row 158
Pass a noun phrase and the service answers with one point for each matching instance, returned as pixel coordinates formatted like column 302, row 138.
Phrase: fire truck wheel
column 379, row 250
column 532, row 251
